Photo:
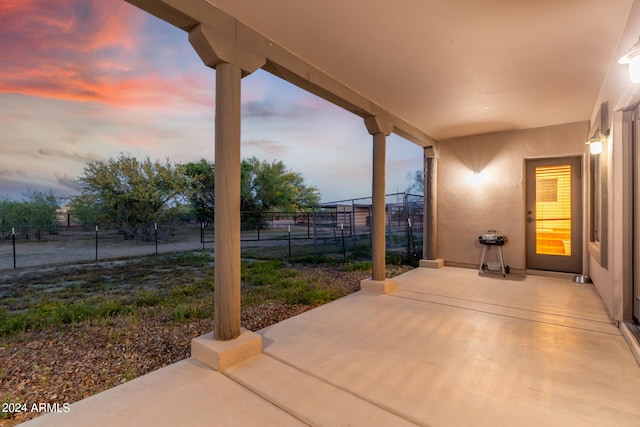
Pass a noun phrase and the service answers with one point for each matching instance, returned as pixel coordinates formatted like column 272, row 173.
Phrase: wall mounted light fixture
column 476, row 177
column 632, row 57
column 595, row 142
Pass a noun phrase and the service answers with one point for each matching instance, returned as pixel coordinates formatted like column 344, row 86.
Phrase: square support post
column 227, row 211
column 430, row 229
column 380, row 129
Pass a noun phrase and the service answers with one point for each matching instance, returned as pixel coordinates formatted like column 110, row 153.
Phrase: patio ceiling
column 442, row 68
column 457, row 67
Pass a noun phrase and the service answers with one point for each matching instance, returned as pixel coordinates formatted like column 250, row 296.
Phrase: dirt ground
column 31, row 255
column 54, row 253
column 64, row 364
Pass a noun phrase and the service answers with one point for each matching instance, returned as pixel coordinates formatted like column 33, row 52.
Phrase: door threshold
column 631, row 333
column 558, row 274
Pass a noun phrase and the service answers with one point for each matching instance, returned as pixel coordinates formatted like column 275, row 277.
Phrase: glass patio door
column 553, row 214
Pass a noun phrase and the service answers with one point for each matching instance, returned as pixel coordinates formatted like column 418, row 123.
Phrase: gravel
column 67, row 364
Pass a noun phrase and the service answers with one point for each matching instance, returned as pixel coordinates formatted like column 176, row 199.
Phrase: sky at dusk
column 84, row 80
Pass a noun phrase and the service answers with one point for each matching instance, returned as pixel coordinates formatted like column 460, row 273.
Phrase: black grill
column 492, row 239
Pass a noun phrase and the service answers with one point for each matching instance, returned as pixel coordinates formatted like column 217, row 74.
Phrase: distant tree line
column 135, row 194
column 32, row 215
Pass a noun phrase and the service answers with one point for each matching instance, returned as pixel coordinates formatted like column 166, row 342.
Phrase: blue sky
column 87, row 80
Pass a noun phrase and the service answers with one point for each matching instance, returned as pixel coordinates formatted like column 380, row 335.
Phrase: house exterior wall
column 621, row 95
column 469, row 204
column 607, row 279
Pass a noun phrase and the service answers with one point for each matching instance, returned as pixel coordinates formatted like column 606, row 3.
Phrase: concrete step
column 308, row 398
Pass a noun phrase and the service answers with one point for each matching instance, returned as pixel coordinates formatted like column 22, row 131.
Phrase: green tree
column 34, row 215
column 8, row 213
column 86, row 208
column 201, row 178
column 416, row 182
column 129, row 193
column 263, row 187
column 271, row 186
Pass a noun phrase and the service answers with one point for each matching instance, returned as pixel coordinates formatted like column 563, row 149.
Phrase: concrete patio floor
column 447, row 348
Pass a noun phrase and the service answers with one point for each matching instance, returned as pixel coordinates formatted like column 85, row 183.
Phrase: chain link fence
column 331, row 230
column 348, row 224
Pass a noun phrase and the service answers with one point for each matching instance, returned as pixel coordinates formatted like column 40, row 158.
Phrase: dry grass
column 70, row 332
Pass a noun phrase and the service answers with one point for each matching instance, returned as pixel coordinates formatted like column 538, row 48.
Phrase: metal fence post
column 289, row 243
column 155, row 228
column 96, row 242
column 407, row 215
column 353, row 230
column 315, row 233
column 408, row 236
column 13, row 236
column 344, row 249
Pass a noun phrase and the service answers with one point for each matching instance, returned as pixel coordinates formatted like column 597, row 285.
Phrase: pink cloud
column 88, row 51
column 43, row 31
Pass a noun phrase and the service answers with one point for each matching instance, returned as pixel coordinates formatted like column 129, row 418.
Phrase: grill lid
column 492, row 238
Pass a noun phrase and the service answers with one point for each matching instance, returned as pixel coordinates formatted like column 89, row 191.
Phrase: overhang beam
column 187, row 14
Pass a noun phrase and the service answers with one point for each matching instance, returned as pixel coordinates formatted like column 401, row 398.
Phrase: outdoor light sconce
column 595, row 142
column 476, row 176
column 632, row 57
column 598, row 136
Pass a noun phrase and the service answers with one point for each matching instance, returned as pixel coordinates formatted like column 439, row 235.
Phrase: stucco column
column 227, row 211
column 232, row 57
column 430, row 211
column 380, row 129
column 378, row 249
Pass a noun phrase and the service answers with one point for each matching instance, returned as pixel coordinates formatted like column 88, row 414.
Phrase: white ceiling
column 454, row 67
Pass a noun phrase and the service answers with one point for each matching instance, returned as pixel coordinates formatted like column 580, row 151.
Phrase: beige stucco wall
column 469, row 204
column 604, row 278
column 621, row 95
